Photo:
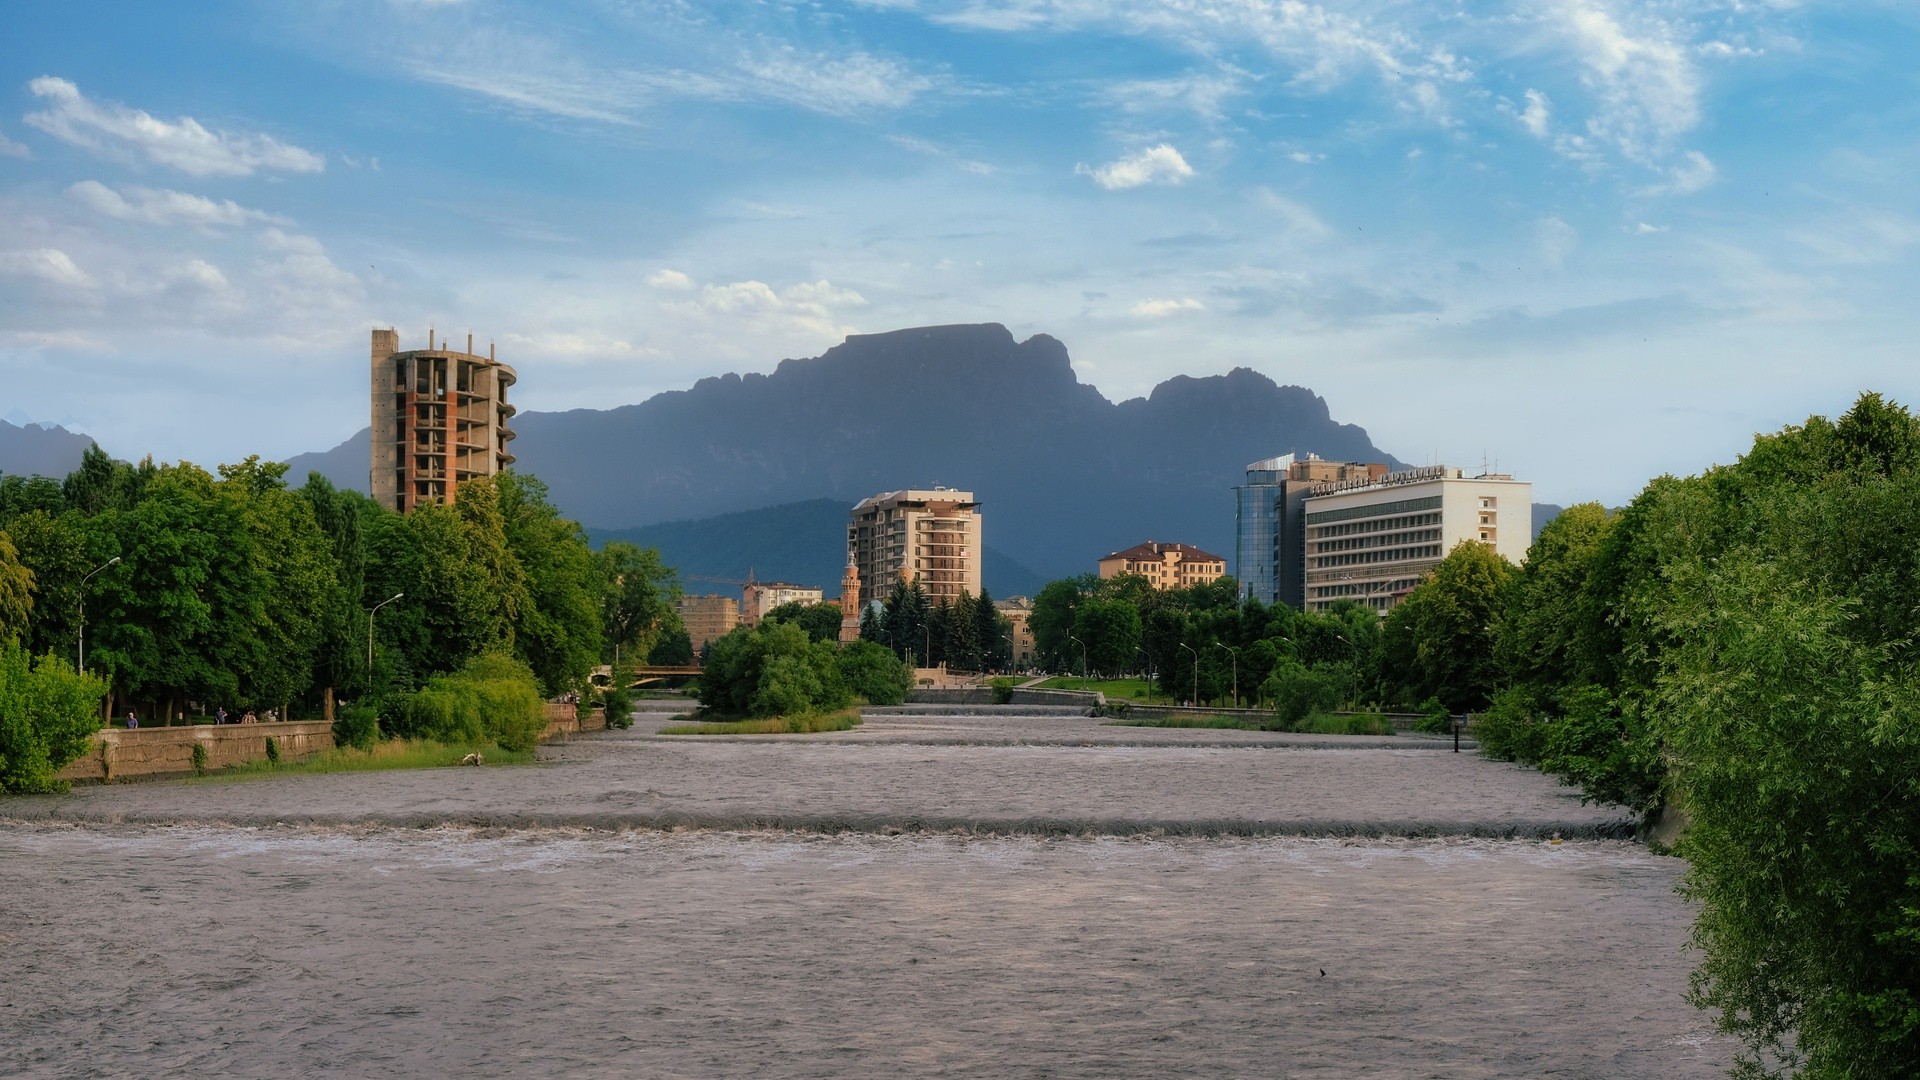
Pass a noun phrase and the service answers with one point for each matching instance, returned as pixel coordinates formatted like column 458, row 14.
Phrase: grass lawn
column 1121, row 689
column 803, row 724
column 393, row 754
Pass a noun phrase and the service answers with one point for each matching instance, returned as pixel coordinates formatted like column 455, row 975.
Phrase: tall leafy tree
column 559, row 631
column 16, row 593
column 638, row 593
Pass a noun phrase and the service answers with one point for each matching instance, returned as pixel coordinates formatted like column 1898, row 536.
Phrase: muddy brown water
column 440, row 923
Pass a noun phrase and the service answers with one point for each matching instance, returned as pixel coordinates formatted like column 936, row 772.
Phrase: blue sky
column 1593, row 241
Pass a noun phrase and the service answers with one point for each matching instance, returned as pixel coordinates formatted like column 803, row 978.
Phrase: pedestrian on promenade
column 220, row 715
column 247, row 719
column 133, row 722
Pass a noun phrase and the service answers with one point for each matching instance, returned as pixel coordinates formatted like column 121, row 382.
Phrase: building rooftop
column 1153, row 550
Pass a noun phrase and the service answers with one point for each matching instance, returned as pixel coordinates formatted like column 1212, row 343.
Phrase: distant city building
column 1017, row 610
column 1167, row 566
column 708, row 617
column 850, row 603
column 929, row 534
column 1269, row 546
column 439, row 417
column 1374, row 540
column 759, row 597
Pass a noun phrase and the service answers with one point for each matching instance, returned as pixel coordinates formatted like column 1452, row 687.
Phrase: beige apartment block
column 759, row 597
column 929, row 534
column 439, row 417
column 1167, row 566
column 1017, row 610
column 1374, row 540
column 708, row 618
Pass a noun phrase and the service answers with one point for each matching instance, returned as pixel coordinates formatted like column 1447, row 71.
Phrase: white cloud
column 1556, row 240
column 1306, row 158
column 1694, row 173
column 1160, row 309
column 116, row 131
column 1648, row 92
column 1644, row 229
column 669, row 279
column 9, row 148
column 49, row 265
column 1299, row 219
column 150, row 206
column 758, row 308
column 1536, row 115
column 1160, row 164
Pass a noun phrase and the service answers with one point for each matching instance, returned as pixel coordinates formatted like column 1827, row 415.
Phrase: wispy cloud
column 48, row 265
column 116, row 131
column 1160, row 309
column 9, row 148
column 1645, row 85
column 1160, row 164
column 151, row 206
column 922, row 146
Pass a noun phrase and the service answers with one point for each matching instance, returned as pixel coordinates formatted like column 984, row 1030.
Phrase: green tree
column 1052, row 621
column 1440, row 639
column 639, row 596
column 559, row 632
column 1110, row 630
column 820, row 621
column 873, row 672
column 16, row 593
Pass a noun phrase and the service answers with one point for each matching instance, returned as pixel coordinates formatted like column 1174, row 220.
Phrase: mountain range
column 1064, row 475
column 40, row 449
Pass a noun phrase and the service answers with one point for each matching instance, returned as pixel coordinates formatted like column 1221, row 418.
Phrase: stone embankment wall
column 563, row 718
column 168, row 751
column 980, row 695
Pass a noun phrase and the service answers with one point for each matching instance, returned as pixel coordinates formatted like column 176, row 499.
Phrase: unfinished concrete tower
column 439, row 417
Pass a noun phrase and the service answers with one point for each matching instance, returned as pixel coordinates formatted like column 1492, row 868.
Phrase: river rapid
column 359, row 949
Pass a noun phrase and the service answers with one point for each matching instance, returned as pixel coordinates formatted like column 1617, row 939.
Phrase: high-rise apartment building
column 1374, row 540
column 439, row 417
column 707, row 618
column 929, row 534
column 1167, row 566
column 1269, row 547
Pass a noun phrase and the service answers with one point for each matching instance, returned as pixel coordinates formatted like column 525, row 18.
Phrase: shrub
column 1002, row 690
column 493, row 697
column 1434, row 717
column 769, row 670
column 1512, row 728
column 1298, row 692
column 48, row 716
column 618, row 701
column 357, row 726
column 199, row 758
column 273, row 750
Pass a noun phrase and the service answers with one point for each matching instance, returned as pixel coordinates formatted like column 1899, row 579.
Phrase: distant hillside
column 1064, row 475
column 1543, row 513
column 803, row 542
column 37, row 450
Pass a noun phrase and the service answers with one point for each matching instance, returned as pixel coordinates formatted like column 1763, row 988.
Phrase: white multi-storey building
column 1373, row 540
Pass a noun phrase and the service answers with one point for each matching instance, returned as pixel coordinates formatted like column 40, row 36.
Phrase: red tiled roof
column 1151, row 551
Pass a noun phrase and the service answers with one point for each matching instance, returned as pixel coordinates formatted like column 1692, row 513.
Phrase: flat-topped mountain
column 41, row 449
column 1064, row 475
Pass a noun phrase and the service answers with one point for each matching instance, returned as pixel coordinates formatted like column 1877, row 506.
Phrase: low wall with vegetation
column 980, row 695
column 169, row 751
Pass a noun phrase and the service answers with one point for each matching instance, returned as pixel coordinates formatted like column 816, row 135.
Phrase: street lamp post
column 1012, row 649
column 1196, row 673
column 370, row 615
column 1235, row 650
column 1353, row 673
column 1083, row 657
column 80, row 656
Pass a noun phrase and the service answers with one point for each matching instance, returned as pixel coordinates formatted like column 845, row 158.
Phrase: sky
column 1587, row 242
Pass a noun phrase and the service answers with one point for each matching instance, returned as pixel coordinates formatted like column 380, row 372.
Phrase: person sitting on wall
column 248, row 718
column 133, row 722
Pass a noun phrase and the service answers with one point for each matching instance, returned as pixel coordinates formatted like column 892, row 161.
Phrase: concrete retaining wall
column 168, row 751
